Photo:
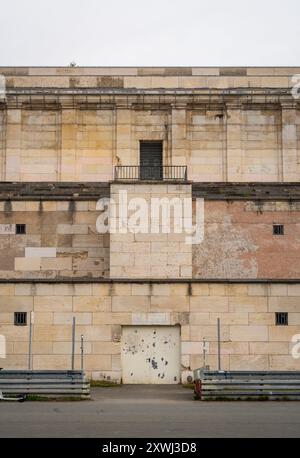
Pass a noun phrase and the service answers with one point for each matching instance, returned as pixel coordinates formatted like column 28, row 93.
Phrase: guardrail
column 244, row 385
column 59, row 383
column 151, row 173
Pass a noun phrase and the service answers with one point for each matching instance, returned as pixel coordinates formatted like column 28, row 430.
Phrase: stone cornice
column 53, row 191
column 93, row 190
column 247, row 191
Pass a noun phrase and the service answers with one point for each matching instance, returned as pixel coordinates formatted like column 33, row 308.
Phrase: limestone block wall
column 150, row 77
column 226, row 144
column 2, row 142
column 261, row 143
column 60, row 240
column 207, row 141
column 144, row 254
column 87, row 141
column 251, row 135
column 250, row 338
column 58, row 145
column 290, row 142
column 133, row 125
column 239, row 242
column 244, row 144
column 33, row 137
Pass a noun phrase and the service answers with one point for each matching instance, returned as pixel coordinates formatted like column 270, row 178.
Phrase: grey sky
column 150, row 32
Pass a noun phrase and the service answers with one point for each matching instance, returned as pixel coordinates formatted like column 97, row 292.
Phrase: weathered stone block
column 101, row 289
column 40, row 252
column 7, row 290
column 282, row 333
column 44, row 289
column 67, row 318
column 130, row 303
column 6, row 318
column 250, row 363
column 95, row 332
column 106, row 348
column 92, row 304
column 278, row 290
column 169, row 303
column 16, row 303
column 46, row 333
column 191, row 348
column 82, row 289
column 269, row 348
column 251, row 304
column 112, row 318
column 151, row 318
column 52, row 303
column 97, row 362
column 72, row 229
column 202, row 318
column 230, row 348
column 51, row 362
column 56, row 263
column 121, row 289
column 43, row 318
column 216, row 289
column 283, row 304
column 229, row 318
column 293, row 290
column 22, row 289
column 142, row 289
column 209, row 333
column 248, row 333
column 62, row 289
column 200, row 289
column 209, row 304
column 185, row 333
column 277, row 362
column 27, row 264
column 258, row 290
column 261, row 318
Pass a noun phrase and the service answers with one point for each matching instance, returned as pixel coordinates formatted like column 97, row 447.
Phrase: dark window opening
column 281, row 319
column 20, row 228
column 278, row 229
column 151, row 163
column 20, row 318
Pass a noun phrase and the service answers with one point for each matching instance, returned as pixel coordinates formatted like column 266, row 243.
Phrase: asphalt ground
column 149, row 411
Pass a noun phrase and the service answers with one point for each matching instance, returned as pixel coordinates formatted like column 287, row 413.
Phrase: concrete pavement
column 149, row 411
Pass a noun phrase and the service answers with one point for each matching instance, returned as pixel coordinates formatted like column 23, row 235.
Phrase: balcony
column 151, row 173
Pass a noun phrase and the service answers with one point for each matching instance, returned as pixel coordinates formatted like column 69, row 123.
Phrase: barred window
column 278, row 229
column 281, row 319
column 20, row 228
column 20, row 318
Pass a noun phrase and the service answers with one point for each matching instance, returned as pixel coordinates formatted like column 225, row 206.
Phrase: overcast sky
column 150, row 32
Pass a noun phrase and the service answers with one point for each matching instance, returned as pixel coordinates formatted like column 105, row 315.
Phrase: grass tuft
column 103, row 384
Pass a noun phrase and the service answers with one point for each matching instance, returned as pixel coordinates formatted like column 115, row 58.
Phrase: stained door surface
column 150, row 354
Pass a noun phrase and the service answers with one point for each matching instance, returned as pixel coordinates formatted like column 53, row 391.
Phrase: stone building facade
column 145, row 303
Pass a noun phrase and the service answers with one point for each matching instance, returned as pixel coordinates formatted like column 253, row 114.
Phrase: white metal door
column 150, row 354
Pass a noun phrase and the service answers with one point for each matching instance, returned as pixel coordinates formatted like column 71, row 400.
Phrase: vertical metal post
column 219, row 344
column 30, row 341
column 204, row 353
column 73, row 342
column 81, row 350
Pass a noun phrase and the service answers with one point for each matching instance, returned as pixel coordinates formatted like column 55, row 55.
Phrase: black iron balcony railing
column 151, row 173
